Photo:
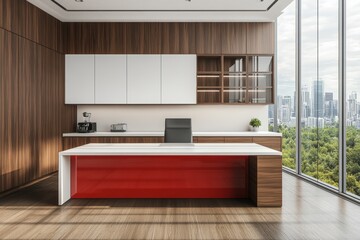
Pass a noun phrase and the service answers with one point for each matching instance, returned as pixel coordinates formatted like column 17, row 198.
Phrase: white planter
column 254, row 129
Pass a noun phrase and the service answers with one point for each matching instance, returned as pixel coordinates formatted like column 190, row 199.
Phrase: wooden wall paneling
column 9, row 124
column 178, row 38
column 12, row 15
column 270, row 142
column 234, row 38
column 109, row 38
column 143, row 38
column 265, row 181
column 42, row 28
column 78, row 38
column 208, row 38
column 28, row 116
column 261, row 38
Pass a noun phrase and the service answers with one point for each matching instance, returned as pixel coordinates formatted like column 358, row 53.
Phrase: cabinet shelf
column 208, row 73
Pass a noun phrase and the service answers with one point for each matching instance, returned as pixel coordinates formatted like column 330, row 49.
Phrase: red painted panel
column 159, row 177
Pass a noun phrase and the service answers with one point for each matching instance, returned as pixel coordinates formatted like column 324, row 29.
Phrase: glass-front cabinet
column 209, row 79
column 230, row 79
column 260, row 79
column 234, row 79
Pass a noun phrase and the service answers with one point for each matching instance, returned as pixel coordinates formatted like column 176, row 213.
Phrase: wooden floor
column 308, row 213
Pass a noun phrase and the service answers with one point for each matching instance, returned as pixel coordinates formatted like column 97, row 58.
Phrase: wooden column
column 265, row 180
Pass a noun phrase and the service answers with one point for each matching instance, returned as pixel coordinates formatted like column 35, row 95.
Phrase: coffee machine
column 86, row 126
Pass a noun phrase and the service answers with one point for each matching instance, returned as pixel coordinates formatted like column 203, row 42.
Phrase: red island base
column 159, row 177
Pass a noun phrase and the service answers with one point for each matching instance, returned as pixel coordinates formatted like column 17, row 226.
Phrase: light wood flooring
column 308, row 212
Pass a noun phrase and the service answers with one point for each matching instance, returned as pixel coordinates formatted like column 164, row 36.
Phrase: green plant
column 255, row 122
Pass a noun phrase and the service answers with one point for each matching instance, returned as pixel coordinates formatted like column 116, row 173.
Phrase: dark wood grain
column 260, row 38
column 210, row 139
column 42, row 28
column 265, row 181
column 234, row 37
column 270, row 142
column 238, row 139
column 177, row 38
column 13, row 15
column 208, row 38
column 26, row 20
column 109, row 38
column 169, row 38
column 71, row 142
column 78, row 38
column 32, row 110
column 9, row 124
column 143, row 38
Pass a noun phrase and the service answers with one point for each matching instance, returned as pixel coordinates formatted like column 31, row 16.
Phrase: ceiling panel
column 166, row 5
column 163, row 10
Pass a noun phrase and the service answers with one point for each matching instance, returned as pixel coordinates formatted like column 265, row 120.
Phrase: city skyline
column 327, row 56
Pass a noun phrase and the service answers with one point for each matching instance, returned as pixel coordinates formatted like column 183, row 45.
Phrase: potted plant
column 255, row 123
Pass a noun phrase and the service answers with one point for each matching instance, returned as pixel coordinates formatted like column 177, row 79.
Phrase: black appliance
column 86, row 126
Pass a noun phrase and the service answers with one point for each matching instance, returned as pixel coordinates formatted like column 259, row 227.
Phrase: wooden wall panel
column 9, row 130
column 32, row 82
column 78, row 38
column 261, row 38
column 95, row 38
column 28, row 21
column 29, row 82
column 233, row 38
column 12, row 15
column 208, row 38
column 109, row 38
column 177, row 38
column 143, row 38
column 42, row 28
column 169, row 38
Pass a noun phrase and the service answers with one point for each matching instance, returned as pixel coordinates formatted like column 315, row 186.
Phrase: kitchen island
column 200, row 170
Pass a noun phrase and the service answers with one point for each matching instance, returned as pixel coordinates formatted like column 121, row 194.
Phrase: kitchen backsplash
column 152, row 117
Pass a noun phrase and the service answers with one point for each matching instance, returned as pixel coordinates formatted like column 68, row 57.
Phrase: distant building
column 314, row 122
column 329, row 106
column 317, row 99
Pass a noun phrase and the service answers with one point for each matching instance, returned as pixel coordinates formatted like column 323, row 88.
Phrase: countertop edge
column 161, row 134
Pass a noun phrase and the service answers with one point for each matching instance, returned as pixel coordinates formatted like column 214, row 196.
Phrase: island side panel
column 265, row 180
column 64, row 179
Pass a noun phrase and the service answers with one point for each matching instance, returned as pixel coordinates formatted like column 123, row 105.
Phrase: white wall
column 152, row 117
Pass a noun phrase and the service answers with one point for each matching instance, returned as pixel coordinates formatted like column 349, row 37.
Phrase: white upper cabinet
column 79, row 79
column 178, row 74
column 130, row 79
column 110, row 79
column 144, row 79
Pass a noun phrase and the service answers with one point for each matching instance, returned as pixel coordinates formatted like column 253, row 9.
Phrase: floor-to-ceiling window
column 286, row 107
column 352, row 101
column 319, row 91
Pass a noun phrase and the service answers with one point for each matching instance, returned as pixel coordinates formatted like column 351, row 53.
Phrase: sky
column 326, row 21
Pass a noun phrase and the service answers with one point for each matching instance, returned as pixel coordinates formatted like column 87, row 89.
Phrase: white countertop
column 161, row 134
column 206, row 149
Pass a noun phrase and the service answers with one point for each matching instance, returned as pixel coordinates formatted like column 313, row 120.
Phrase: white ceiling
column 162, row 10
